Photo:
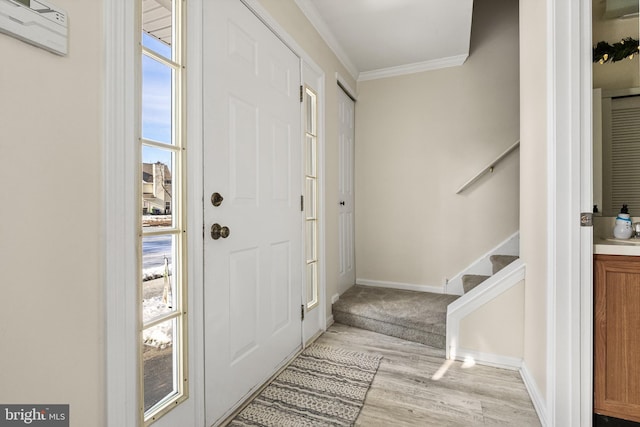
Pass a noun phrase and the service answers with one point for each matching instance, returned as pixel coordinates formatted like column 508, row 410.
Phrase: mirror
column 616, row 109
column 616, row 150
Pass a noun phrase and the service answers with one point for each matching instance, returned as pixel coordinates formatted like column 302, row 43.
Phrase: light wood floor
column 405, row 393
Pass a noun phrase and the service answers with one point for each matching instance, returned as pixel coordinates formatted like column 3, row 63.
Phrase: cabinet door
column 617, row 337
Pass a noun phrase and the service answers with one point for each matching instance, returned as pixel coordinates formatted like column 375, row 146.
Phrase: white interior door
column 346, row 229
column 252, row 159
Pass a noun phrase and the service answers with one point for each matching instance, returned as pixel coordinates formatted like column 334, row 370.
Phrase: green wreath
column 604, row 52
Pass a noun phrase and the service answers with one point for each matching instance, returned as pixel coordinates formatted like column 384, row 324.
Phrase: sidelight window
column 162, row 289
column 311, row 196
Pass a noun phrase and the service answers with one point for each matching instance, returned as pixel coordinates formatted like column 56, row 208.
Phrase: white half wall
column 496, row 328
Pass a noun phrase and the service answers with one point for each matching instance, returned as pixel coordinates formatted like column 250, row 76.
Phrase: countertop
column 616, row 247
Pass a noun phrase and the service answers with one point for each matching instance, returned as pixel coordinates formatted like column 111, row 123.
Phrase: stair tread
column 470, row 281
column 414, row 316
column 501, row 261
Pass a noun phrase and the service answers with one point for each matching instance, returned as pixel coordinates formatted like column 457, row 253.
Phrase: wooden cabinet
column 617, row 336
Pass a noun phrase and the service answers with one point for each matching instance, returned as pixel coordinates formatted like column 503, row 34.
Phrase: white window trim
column 119, row 221
column 119, row 225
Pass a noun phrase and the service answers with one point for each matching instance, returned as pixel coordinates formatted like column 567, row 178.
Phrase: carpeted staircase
column 413, row 316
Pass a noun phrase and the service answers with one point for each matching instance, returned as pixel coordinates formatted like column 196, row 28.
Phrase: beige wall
column 496, row 327
column 51, row 321
column 296, row 24
column 418, row 138
column 621, row 74
column 533, row 184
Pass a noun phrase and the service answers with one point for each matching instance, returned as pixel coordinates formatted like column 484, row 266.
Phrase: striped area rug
column 323, row 386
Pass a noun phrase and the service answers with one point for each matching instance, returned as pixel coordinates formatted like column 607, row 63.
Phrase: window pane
column 310, row 102
column 157, row 27
column 312, row 284
column 310, row 238
column 158, row 46
column 158, row 278
column 310, row 155
column 310, row 198
column 156, row 100
column 158, row 357
column 157, row 187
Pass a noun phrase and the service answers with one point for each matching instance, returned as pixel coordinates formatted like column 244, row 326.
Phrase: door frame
column 569, row 187
column 119, row 272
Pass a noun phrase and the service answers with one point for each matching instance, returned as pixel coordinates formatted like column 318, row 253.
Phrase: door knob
column 216, row 199
column 342, row 202
column 218, row 231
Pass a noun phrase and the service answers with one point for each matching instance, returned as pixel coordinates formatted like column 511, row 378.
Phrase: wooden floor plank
column 406, row 393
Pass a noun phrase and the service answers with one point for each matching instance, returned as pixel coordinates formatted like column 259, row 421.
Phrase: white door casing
column 346, row 220
column 252, row 158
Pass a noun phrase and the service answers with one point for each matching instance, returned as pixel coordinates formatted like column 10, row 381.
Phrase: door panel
column 252, row 157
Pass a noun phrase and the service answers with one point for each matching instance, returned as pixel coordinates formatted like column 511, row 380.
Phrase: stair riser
column 409, row 334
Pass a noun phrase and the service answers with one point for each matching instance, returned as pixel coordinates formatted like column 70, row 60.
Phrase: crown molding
column 416, row 67
column 312, row 14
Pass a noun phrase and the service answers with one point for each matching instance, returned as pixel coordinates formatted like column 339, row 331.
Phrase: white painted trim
column 538, row 401
column 586, row 205
column 195, row 208
column 488, row 290
column 565, row 90
column 417, row 67
column 401, row 286
column 550, row 214
column 314, row 17
column 322, row 192
column 483, row 265
column 120, row 156
column 330, row 321
column 489, row 359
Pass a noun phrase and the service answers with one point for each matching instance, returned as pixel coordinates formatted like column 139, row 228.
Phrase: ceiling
column 382, row 38
column 372, row 38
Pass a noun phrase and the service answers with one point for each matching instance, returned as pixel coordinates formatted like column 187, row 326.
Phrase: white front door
column 252, row 159
column 346, row 220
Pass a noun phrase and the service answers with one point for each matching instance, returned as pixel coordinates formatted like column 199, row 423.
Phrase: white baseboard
column 539, row 402
column 401, row 286
column 330, row 322
column 335, row 298
column 482, row 265
column 489, row 359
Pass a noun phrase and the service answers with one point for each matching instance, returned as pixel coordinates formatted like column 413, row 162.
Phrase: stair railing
column 489, row 168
